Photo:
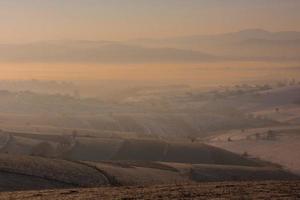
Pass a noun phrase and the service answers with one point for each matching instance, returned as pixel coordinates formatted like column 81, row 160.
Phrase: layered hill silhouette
column 245, row 45
column 249, row 44
column 93, row 51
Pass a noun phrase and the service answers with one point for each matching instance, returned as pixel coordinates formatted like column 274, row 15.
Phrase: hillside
column 98, row 149
column 21, row 172
column 275, row 144
column 35, row 173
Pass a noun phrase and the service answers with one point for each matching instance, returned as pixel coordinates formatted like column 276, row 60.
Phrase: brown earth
column 226, row 190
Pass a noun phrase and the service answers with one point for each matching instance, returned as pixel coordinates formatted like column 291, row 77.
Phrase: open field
column 35, row 173
column 228, row 190
column 98, row 149
column 56, row 172
column 274, row 144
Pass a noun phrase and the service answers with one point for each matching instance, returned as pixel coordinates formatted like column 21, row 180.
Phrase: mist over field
column 149, row 100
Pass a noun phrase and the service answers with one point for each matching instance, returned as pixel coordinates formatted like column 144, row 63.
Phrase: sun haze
column 33, row 20
column 149, row 99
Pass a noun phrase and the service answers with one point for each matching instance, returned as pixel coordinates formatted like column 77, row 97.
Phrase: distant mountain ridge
column 250, row 44
column 89, row 51
column 243, row 34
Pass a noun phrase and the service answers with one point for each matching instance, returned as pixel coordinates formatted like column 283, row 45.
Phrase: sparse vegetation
column 228, row 190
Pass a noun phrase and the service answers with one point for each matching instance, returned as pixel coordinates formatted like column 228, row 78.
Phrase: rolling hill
column 98, row 149
column 35, row 173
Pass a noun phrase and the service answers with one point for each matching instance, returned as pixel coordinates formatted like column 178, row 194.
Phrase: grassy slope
column 152, row 150
column 283, row 149
column 25, row 172
column 15, row 182
column 149, row 173
column 61, row 171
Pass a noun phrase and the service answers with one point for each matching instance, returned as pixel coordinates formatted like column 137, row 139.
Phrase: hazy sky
column 28, row 20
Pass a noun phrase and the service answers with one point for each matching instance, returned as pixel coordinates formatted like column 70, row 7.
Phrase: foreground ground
column 226, row 190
